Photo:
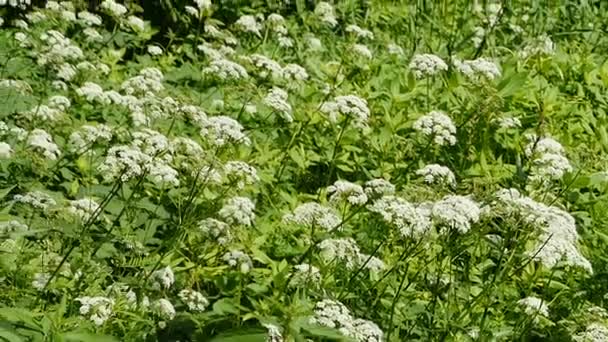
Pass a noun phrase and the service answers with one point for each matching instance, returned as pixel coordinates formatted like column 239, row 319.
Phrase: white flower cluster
column 266, row 66
column 240, row 173
column 89, row 19
column 113, row 8
column 438, row 126
column 595, row 332
column 359, row 32
column 164, row 309
column 13, row 226
column 507, row 122
column 305, row 275
column 162, row 278
column 97, row 309
column 194, row 300
column 238, row 211
column 294, row 73
column 20, row 86
column 411, row 221
column 350, row 106
column 83, row 208
column 240, row 260
column 5, row 150
column 347, row 191
column 325, row 12
column 226, row 70
column 248, row 23
column 148, row 81
column 126, row 162
column 333, row 314
column 313, row 214
column 16, row 3
column 478, row 68
column 557, row 229
column 58, row 49
column 426, row 65
column 221, row 130
column 437, row 174
column 44, row 113
column 40, row 281
column 277, row 101
column 362, row 51
column 394, row 49
column 455, row 212
column 88, row 135
column 548, row 160
column 347, row 251
column 274, row 333
column 42, row 142
column 542, row 45
column 36, row 199
column 534, row 306
column 377, row 188
column 93, row 92
column 216, row 229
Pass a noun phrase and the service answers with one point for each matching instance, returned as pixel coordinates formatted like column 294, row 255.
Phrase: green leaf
column 225, row 306
column 87, row 337
column 249, row 337
column 325, row 332
column 9, row 335
column 6, row 191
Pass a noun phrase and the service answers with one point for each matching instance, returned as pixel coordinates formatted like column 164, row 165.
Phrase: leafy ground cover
column 385, row 171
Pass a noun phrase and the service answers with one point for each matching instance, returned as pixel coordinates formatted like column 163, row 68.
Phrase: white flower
column 426, row 65
column 89, row 19
column 155, row 50
column 294, row 72
column 550, row 165
column 92, row 92
column 203, row 5
column 153, row 143
column 542, row 45
column 92, row 35
column 344, row 250
column 542, row 146
column 314, row 43
column 595, row 332
column 98, row 309
column 87, row 135
column 508, row 122
column 42, row 142
column 68, row 16
column 534, row 306
column 194, row 300
column 216, row 229
column 5, row 150
column 344, row 190
column 326, row 14
column 191, row 11
column 136, row 23
column 371, row 263
column 113, row 8
column 266, row 66
column 66, row 71
column 394, row 49
column 359, row 32
column 332, row 314
column 238, row 211
column 59, row 102
column 240, row 260
column 125, row 162
column 163, row 278
column 313, row 214
column 362, row 51
column 455, row 212
column 407, row 218
column 248, row 23
column 83, row 208
column 277, row 101
column 221, row 130
column 226, row 70
column 274, row 333
column 40, row 280
column 305, row 275
column 240, row 173
column 379, row 187
column 480, row 67
column 438, row 126
column 163, row 175
column 13, row 226
column 165, row 309
column 44, row 113
column 285, row 42
column 351, row 106
column 364, row 331
column 434, row 173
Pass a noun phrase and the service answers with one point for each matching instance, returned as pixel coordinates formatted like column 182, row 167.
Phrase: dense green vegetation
column 303, row 171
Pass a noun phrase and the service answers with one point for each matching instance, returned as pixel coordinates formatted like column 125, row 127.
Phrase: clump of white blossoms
column 97, row 309
column 305, row 275
column 507, row 122
column 556, row 242
column 478, row 68
column 89, row 19
column 221, row 130
column 58, row 49
column 347, row 191
column 163, row 278
column 409, row 220
column 455, row 212
column 155, row 50
column 42, row 142
column 149, row 80
column 135, row 23
column 359, row 32
column 36, row 199
column 226, row 70
column 248, row 23
column 153, row 143
column 534, row 306
column 164, row 309
column 362, row 51
column 344, row 250
column 312, row 214
column 216, row 229
column 325, row 12
column 162, row 174
column 240, row 173
column 266, row 66
column 548, row 160
column 542, row 45
column 13, row 226
column 277, row 101
column 124, row 162
column 93, row 92
column 294, row 73
column 351, row 106
column 83, row 208
column 438, row 126
column 594, row 332
column 87, row 135
column 40, row 281
column 113, row 8
column 394, row 49
column 437, row 174
column 194, row 300
column 43, row 112
column 426, row 65
column 238, row 211
column 333, row 314
column 377, row 188
column 240, row 260
column 5, row 150
column 273, row 333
